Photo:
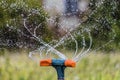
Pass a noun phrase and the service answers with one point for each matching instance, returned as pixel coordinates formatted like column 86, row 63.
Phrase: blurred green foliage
column 104, row 22
column 12, row 30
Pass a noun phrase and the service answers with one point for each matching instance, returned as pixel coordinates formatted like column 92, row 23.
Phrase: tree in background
column 103, row 21
column 12, row 31
column 102, row 17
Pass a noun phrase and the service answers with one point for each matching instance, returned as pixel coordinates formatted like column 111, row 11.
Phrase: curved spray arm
column 80, row 55
column 62, row 56
column 84, row 44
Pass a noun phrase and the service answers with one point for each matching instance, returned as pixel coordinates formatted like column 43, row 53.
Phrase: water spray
column 69, row 22
column 61, row 63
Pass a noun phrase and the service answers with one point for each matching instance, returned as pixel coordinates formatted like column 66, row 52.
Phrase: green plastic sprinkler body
column 59, row 65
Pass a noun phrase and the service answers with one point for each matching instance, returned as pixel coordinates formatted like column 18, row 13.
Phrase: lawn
column 97, row 66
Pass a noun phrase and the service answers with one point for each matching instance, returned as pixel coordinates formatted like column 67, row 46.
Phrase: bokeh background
column 103, row 62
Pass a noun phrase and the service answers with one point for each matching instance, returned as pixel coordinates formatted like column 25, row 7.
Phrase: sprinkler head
column 59, row 65
column 57, row 62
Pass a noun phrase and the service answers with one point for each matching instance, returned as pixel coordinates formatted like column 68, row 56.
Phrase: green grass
column 93, row 67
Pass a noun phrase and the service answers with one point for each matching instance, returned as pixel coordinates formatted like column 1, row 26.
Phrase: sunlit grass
column 93, row 67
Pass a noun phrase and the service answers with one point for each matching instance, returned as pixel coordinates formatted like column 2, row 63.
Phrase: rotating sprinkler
column 67, row 24
column 59, row 65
